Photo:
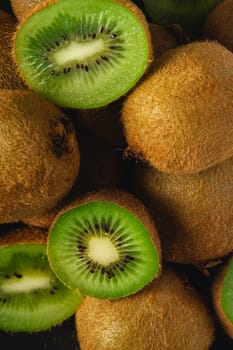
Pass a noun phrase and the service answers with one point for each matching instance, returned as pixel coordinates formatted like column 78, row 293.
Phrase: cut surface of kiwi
column 102, row 249
column 32, row 299
column 83, row 53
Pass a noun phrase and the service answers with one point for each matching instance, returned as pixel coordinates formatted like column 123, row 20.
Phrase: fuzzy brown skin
column 22, row 7
column 168, row 314
column 9, row 77
column 39, row 157
column 193, row 213
column 23, row 235
column 216, row 290
column 219, row 24
column 179, row 117
column 165, row 37
column 100, row 167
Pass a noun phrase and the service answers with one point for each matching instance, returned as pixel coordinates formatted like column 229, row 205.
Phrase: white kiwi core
column 75, row 51
column 27, row 283
column 102, row 250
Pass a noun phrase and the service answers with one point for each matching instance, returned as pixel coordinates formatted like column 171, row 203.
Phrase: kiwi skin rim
column 127, row 3
column 123, row 199
column 216, row 291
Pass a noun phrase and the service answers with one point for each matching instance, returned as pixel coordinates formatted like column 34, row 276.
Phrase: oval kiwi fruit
column 179, row 117
column 219, row 24
column 222, row 289
column 31, row 296
column 193, row 213
column 83, row 53
column 9, row 75
column 190, row 14
column 167, row 314
column 106, row 245
column 39, row 158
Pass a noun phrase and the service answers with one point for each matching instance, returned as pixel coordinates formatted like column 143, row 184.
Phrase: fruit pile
column 116, row 181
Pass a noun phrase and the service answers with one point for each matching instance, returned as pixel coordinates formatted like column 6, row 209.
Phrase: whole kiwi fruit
column 39, row 157
column 179, row 117
column 193, row 212
column 167, row 314
column 106, row 244
column 9, row 75
column 219, row 24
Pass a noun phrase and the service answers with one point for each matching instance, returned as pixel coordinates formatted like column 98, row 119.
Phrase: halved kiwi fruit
column 83, row 53
column 179, row 116
column 193, row 213
column 106, row 245
column 222, row 291
column 190, row 14
column 9, row 75
column 32, row 299
column 167, row 314
column 219, row 24
column 39, row 158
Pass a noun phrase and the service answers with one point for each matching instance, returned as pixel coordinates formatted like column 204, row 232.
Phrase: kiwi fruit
column 9, row 76
column 83, row 54
column 31, row 296
column 219, row 24
column 193, row 213
column 222, row 295
column 165, row 37
column 100, row 167
column 190, row 14
column 39, row 158
column 106, row 245
column 168, row 314
column 179, row 117
column 21, row 8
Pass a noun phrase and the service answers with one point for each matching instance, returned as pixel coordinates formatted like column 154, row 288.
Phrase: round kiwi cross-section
column 103, row 250
column 83, row 53
column 32, row 298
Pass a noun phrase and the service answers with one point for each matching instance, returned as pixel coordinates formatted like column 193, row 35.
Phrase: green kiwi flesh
column 190, row 14
column 103, row 249
column 83, row 53
column 30, row 293
column 167, row 314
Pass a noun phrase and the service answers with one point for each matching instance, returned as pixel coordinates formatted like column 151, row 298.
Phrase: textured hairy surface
column 193, row 212
column 9, row 76
column 179, row 117
column 168, row 314
column 219, row 24
column 39, row 157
